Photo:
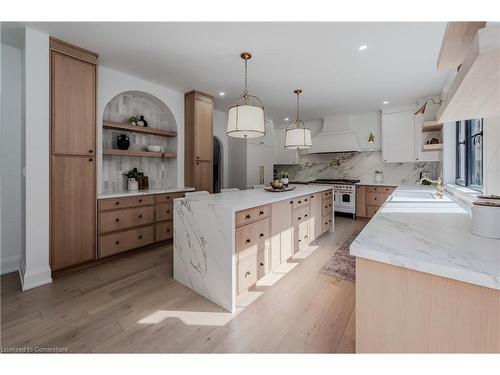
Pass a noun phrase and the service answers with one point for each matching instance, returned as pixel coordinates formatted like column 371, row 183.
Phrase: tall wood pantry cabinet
column 198, row 144
column 72, row 155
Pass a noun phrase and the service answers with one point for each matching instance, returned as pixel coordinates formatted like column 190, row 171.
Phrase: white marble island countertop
column 416, row 231
column 242, row 199
column 128, row 193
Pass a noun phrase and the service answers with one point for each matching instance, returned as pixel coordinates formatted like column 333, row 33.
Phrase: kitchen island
column 424, row 282
column 225, row 242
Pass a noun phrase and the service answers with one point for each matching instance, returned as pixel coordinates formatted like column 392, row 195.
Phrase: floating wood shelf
column 432, row 147
column 148, row 154
column 138, row 129
column 431, row 126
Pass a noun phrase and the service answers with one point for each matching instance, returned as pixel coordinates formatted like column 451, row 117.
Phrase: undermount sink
column 417, row 196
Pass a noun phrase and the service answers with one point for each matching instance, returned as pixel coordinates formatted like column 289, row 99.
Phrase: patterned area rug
column 342, row 265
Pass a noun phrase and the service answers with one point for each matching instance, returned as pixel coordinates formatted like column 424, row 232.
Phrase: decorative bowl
column 276, row 184
column 154, row 148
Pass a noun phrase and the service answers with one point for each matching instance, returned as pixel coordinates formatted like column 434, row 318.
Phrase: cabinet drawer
column 167, row 197
column 327, row 206
column 301, row 240
column 300, row 215
column 301, row 201
column 376, row 199
column 164, row 231
column 371, row 210
column 113, row 203
column 380, row 189
column 164, row 211
column 253, row 236
column 110, row 221
column 247, row 270
column 115, row 243
column 251, row 215
column 327, row 194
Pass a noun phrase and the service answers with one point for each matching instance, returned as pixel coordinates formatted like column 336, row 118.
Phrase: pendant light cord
column 245, row 92
column 298, row 110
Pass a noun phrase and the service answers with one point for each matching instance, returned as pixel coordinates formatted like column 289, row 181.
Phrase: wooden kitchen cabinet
column 361, row 201
column 72, row 213
column 73, row 98
column 369, row 198
column 198, row 141
column 72, row 155
column 315, row 217
column 281, row 232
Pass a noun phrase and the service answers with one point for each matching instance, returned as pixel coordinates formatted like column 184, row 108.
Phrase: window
column 469, row 169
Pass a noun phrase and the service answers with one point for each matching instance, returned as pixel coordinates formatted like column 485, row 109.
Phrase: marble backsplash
column 360, row 166
column 161, row 172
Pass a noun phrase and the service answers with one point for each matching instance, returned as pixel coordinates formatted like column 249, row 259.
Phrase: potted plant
column 133, row 120
column 132, row 179
column 284, row 177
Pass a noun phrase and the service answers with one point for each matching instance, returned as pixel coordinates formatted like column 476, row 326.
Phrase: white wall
column 220, row 126
column 34, row 264
column 11, row 207
column 111, row 83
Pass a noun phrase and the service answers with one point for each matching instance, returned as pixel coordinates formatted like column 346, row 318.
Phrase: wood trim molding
column 72, row 50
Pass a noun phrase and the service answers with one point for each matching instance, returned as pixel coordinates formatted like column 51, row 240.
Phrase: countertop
column 243, row 199
column 415, row 231
column 126, row 193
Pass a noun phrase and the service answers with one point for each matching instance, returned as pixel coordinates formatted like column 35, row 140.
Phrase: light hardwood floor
column 134, row 305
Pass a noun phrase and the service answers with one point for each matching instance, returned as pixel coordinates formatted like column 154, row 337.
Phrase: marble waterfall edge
column 203, row 255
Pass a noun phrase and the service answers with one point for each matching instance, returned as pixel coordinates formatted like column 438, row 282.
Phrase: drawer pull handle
column 168, row 229
column 140, row 216
column 291, row 202
column 117, row 203
column 247, row 241
column 90, row 159
column 140, row 236
column 375, row 198
column 247, row 217
column 305, row 215
column 305, row 236
column 140, row 200
column 312, row 196
column 117, row 220
column 305, row 200
column 247, row 273
column 261, row 264
column 300, row 240
column 168, row 211
column 299, row 202
column 117, row 242
column 261, row 213
column 299, row 218
column 261, row 235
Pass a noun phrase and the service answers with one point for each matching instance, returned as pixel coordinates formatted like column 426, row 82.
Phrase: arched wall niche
column 161, row 172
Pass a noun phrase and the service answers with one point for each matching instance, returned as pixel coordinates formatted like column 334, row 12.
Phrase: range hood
column 336, row 136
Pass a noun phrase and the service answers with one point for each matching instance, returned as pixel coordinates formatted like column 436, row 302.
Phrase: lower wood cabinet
column 369, row 198
column 131, row 222
column 203, row 175
column 72, row 210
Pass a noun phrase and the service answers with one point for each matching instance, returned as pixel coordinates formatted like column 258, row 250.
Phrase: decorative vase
column 123, row 142
column 142, row 121
column 285, row 181
column 132, row 184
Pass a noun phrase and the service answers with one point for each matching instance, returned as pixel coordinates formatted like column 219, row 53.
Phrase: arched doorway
column 217, row 165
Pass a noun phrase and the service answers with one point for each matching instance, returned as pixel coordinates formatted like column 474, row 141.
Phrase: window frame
column 465, row 180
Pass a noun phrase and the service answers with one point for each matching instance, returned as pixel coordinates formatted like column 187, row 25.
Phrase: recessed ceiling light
column 222, row 93
column 363, row 47
column 286, row 119
column 385, row 102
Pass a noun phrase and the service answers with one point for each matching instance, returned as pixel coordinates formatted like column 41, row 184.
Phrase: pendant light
column 245, row 118
column 297, row 135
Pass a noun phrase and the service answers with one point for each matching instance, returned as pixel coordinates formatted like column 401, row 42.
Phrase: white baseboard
column 33, row 277
column 9, row 264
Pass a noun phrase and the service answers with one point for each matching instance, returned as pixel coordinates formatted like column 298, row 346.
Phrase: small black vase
column 143, row 121
column 123, row 142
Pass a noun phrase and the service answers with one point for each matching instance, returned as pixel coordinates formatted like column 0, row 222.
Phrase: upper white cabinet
column 398, row 139
column 403, row 138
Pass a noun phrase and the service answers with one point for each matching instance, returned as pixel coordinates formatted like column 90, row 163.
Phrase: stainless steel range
column 344, row 194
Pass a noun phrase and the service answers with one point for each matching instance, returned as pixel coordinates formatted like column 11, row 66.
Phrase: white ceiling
column 323, row 59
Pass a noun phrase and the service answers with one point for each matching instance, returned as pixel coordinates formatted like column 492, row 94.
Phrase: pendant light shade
column 297, row 135
column 245, row 118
